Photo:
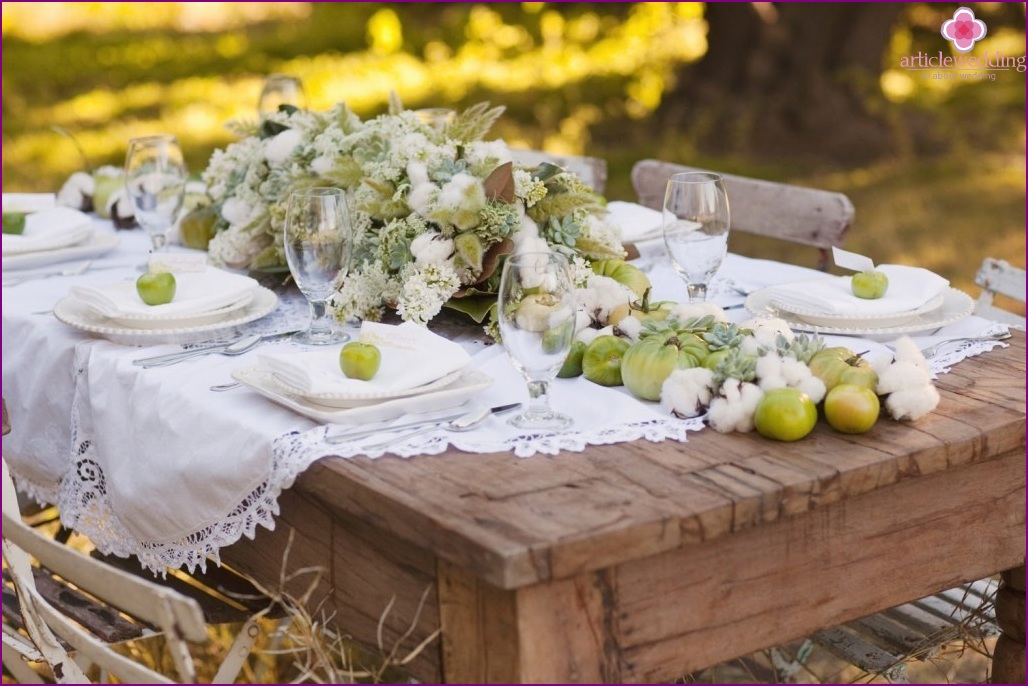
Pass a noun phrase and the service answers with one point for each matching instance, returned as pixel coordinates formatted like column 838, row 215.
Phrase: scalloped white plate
column 891, row 319
column 151, row 322
column 100, row 243
column 73, row 312
column 346, row 400
column 955, row 306
column 461, row 387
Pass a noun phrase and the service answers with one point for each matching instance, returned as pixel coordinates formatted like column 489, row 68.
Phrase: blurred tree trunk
column 789, row 78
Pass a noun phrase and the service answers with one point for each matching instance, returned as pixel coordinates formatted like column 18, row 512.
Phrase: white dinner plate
column 99, row 243
column 73, row 312
column 879, row 320
column 165, row 321
column 955, row 306
column 346, row 400
column 465, row 384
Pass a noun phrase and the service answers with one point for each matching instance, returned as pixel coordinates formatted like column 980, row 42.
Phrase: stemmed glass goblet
column 537, row 322
column 280, row 89
column 318, row 241
column 155, row 181
column 696, row 223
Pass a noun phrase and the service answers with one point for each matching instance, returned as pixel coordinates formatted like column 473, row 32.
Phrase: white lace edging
column 85, row 506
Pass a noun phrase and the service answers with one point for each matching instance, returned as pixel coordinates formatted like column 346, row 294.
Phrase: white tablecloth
column 152, row 463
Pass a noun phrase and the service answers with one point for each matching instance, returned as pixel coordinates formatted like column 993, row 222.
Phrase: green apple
column 14, row 223
column 156, row 289
column 360, row 360
column 870, row 285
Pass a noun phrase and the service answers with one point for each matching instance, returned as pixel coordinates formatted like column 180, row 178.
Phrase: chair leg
column 237, row 654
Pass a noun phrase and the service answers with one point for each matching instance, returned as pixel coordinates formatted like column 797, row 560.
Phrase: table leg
column 556, row 632
column 1008, row 662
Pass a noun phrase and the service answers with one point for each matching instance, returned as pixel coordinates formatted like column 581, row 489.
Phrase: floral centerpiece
column 434, row 211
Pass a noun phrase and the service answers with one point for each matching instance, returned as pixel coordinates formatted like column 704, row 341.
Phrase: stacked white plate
column 420, row 371
column 204, row 301
column 52, row 236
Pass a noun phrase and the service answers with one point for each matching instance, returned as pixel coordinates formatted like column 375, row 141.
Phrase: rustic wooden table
column 646, row 561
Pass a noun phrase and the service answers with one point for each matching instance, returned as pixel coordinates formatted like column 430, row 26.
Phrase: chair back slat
column 999, row 277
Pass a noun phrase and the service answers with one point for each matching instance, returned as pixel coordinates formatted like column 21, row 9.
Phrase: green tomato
column 360, row 360
column 648, row 363
column 715, row 358
column 624, row 273
column 156, row 289
column 842, row 365
column 572, row 366
column 851, row 409
column 601, row 362
column 785, row 414
column 869, row 285
column 14, row 223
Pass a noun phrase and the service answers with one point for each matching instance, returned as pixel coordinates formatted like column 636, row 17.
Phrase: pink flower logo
column 963, row 29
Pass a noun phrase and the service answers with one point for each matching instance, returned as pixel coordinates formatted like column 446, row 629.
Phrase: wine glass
column 280, row 89
column 537, row 321
column 155, row 181
column 696, row 221
column 317, row 242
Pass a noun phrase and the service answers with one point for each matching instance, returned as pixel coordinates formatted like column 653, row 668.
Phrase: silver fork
column 75, row 270
column 931, row 350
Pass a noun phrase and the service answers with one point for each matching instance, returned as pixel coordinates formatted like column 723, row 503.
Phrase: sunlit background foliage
column 575, row 78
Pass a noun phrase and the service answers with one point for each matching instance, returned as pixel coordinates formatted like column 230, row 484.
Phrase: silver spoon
column 226, row 386
column 465, row 422
column 241, row 346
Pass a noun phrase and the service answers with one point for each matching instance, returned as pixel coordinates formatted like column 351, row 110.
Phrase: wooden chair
column 68, row 610
column 998, row 277
column 806, row 216
column 592, row 170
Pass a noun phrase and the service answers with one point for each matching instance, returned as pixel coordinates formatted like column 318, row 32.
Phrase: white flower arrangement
column 433, row 212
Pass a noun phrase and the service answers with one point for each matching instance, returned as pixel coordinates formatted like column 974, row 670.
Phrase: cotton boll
column 686, row 391
column 769, row 372
column 583, row 319
column 900, row 376
column 630, row 328
column 813, row 387
column 588, row 335
column 279, row 148
column 750, row 346
column 417, row 172
column 683, row 311
column 77, row 191
column 766, row 329
column 734, row 410
column 237, row 212
column 322, row 165
column 912, row 403
column 907, row 351
column 601, row 295
column 431, row 248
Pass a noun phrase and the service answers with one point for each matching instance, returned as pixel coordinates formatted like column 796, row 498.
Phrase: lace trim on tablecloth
column 949, row 355
column 85, row 506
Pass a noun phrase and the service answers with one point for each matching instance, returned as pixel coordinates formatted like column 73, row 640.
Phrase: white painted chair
column 806, row 216
column 66, row 610
column 998, row 277
column 592, row 170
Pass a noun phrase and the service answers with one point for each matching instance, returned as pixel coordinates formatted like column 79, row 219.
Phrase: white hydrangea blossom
column 528, row 188
column 235, row 248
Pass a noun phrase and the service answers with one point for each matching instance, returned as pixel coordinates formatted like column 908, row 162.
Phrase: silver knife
column 365, row 432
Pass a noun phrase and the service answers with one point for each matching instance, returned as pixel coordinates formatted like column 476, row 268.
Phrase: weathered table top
column 652, row 544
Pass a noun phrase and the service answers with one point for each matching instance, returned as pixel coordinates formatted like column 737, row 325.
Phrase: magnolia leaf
column 546, row 170
column 270, row 128
column 475, row 306
column 493, row 256
column 499, row 185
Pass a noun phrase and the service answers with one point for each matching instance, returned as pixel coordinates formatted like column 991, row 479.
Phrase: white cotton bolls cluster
column 775, row 371
column 685, row 311
column 601, row 295
column 431, row 247
column 733, row 410
column 630, row 328
column 686, row 392
column 765, row 332
column 908, row 383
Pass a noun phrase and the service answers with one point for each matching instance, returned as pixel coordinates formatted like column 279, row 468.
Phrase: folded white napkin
column 909, row 289
column 412, row 356
column 51, row 229
column 28, row 202
column 195, row 293
column 637, row 223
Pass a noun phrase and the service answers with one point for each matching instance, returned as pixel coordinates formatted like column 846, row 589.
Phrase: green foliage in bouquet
column 434, row 212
